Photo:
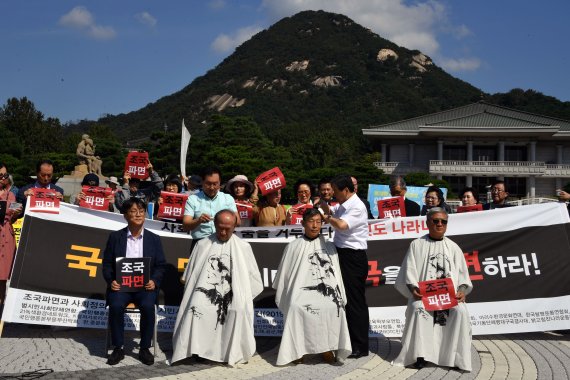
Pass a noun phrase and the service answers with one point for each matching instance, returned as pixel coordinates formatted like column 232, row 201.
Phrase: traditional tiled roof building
column 475, row 144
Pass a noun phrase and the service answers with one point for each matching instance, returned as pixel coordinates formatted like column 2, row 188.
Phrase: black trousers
column 354, row 267
column 118, row 301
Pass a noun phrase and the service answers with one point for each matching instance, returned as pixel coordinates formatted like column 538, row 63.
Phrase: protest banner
column 297, row 215
column 132, row 273
column 394, row 207
column 136, row 165
column 504, row 249
column 44, row 200
column 438, row 294
column 477, row 207
column 245, row 210
column 95, row 197
column 270, row 181
column 172, row 206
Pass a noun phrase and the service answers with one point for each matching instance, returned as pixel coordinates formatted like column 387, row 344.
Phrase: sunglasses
column 4, row 176
column 438, row 221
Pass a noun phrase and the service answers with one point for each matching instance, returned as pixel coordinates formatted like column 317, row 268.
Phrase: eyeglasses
column 495, row 190
column 438, row 221
column 4, row 176
column 211, row 185
column 136, row 212
column 432, row 198
column 303, row 192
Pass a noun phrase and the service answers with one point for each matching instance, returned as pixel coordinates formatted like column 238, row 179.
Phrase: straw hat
column 239, row 178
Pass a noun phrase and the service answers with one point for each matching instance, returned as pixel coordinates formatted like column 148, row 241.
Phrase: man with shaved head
column 215, row 319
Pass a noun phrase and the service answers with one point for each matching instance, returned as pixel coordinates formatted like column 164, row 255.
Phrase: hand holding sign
column 438, row 294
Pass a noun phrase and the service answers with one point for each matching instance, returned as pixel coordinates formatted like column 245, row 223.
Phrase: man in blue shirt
column 201, row 207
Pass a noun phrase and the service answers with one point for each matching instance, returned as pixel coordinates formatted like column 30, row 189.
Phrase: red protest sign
column 477, row 207
column 245, row 209
column 136, row 164
column 270, row 181
column 297, row 217
column 438, row 294
column 95, row 197
column 44, row 200
column 172, row 206
column 391, row 207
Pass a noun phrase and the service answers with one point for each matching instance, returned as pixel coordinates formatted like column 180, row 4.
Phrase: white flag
column 184, row 141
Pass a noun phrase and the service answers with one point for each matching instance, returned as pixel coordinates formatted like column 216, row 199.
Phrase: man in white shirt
column 136, row 242
column 349, row 219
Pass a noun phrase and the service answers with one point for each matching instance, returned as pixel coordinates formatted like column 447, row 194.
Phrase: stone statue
column 86, row 154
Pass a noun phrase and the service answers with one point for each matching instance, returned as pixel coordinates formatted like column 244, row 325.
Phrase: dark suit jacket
column 492, row 206
column 412, row 208
column 117, row 247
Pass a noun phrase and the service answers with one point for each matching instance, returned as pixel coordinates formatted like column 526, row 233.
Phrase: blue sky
column 83, row 59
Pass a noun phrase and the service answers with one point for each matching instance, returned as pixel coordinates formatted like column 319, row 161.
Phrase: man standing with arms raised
column 349, row 219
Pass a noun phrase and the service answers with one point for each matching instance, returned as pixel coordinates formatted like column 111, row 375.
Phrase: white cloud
column 78, row 17
column 81, row 19
column 462, row 31
column 460, row 64
column 225, row 43
column 414, row 25
column 217, row 4
column 146, row 18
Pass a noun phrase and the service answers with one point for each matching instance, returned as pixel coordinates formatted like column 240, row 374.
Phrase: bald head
column 225, row 222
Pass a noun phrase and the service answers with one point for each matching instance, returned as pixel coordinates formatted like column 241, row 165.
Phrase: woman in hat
column 245, row 195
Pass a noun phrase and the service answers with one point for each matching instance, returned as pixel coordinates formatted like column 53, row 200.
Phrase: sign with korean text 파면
column 297, row 216
column 270, row 181
column 44, row 200
column 394, row 207
column 172, row 206
column 136, row 165
column 438, row 294
column 95, row 197
column 132, row 273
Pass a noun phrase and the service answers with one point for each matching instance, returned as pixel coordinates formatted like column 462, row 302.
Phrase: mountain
column 297, row 96
column 315, row 69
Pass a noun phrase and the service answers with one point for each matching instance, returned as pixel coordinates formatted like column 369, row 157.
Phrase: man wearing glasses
column 442, row 337
column 201, row 207
column 136, row 242
column 499, row 196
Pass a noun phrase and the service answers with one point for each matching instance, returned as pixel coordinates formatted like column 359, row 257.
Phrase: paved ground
column 79, row 353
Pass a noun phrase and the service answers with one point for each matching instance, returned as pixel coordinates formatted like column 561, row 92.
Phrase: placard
column 270, row 181
column 95, row 197
column 132, row 273
column 477, row 207
column 245, row 210
column 44, row 200
column 438, row 294
column 297, row 217
column 3, row 208
column 394, row 207
column 136, row 165
column 172, row 206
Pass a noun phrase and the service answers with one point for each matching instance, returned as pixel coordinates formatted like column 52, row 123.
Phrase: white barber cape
column 215, row 319
column 448, row 345
column 310, row 293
